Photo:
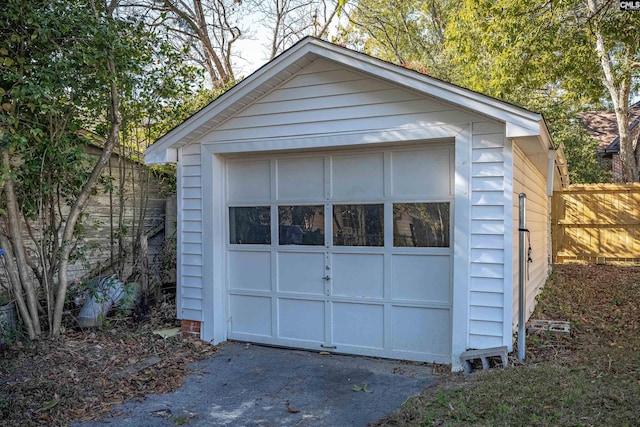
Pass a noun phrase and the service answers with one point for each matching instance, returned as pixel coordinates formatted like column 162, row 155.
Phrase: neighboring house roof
column 603, row 127
column 520, row 123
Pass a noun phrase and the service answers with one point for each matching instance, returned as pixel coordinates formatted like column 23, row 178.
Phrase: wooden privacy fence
column 596, row 223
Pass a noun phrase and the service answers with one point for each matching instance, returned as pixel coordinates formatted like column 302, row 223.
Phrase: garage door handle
column 327, row 278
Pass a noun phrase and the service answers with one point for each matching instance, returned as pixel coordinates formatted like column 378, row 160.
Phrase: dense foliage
column 557, row 58
column 72, row 73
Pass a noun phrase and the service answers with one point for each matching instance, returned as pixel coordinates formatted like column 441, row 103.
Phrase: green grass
column 591, row 378
column 529, row 395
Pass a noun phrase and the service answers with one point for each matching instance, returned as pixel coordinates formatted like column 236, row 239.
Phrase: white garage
column 335, row 202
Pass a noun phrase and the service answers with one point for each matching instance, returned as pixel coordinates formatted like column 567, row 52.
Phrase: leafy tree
column 41, row 49
column 572, row 54
column 69, row 71
column 556, row 57
column 527, row 52
column 615, row 35
column 409, row 33
column 579, row 147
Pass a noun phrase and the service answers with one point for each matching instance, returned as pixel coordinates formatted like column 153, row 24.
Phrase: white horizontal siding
column 493, row 169
column 487, row 229
column 191, row 171
column 333, row 113
column 192, row 215
column 487, row 242
column 482, row 270
column 478, row 339
column 381, row 96
column 190, row 234
column 487, row 226
column 492, row 314
column 191, row 259
column 488, row 284
column 527, row 179
column 315, row 125
column 488, row 256
column 193, row 293
column 488, row 183
column 487, row 212
column 325, row 99
column 192, row 248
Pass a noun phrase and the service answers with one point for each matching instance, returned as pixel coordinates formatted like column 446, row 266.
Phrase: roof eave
column 520, row 122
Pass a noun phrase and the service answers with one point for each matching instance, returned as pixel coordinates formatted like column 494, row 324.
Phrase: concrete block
column 555, row 326
column 483, row 354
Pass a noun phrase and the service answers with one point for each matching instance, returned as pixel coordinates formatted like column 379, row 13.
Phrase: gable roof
column 603, row 127
column 519, row 121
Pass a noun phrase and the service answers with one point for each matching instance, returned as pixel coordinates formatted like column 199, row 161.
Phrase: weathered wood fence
column 597, row 223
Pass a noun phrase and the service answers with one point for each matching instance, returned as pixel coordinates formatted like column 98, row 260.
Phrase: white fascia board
column 160, row 157
column 551, row 172
column 539, row 133
column 515, row 130
column 562, row 169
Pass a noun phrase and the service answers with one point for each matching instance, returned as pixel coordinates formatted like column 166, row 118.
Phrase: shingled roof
column 603, row 126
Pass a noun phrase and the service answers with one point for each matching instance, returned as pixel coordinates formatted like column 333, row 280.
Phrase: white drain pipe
column 522, row 263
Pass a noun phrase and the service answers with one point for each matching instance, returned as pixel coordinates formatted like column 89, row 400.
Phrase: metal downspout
column 522, row 260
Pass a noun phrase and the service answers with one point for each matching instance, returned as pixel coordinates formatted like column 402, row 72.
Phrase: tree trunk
column 14, row 278
column 17, row 243
column 628, row 154
column 218, row 66
column 619, row 87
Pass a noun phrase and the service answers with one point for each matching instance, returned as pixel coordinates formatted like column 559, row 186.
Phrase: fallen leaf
column 290, row 408
column 364, row 388
column 167, row 333
column 162, row 413
column 50, row 404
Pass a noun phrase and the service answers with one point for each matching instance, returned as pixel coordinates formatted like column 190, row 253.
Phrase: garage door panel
column 257, row 278
column 420, row 330
column 359, row 325
column 301, row 273
column 301, row 319
column 249, row 180
column 301, row 178
column 357, row 177
column 421, row 173
column 424, row 278
column 358, row 275
column 250, row 315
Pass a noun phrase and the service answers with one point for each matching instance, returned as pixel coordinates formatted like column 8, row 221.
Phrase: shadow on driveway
column 251, row 385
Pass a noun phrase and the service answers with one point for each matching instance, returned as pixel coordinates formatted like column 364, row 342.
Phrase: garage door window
column 301, row 225
column 358, row 225
column 250, row 225
column 421, row 225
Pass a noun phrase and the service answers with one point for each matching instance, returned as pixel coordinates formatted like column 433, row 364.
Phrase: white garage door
column 344, row 251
